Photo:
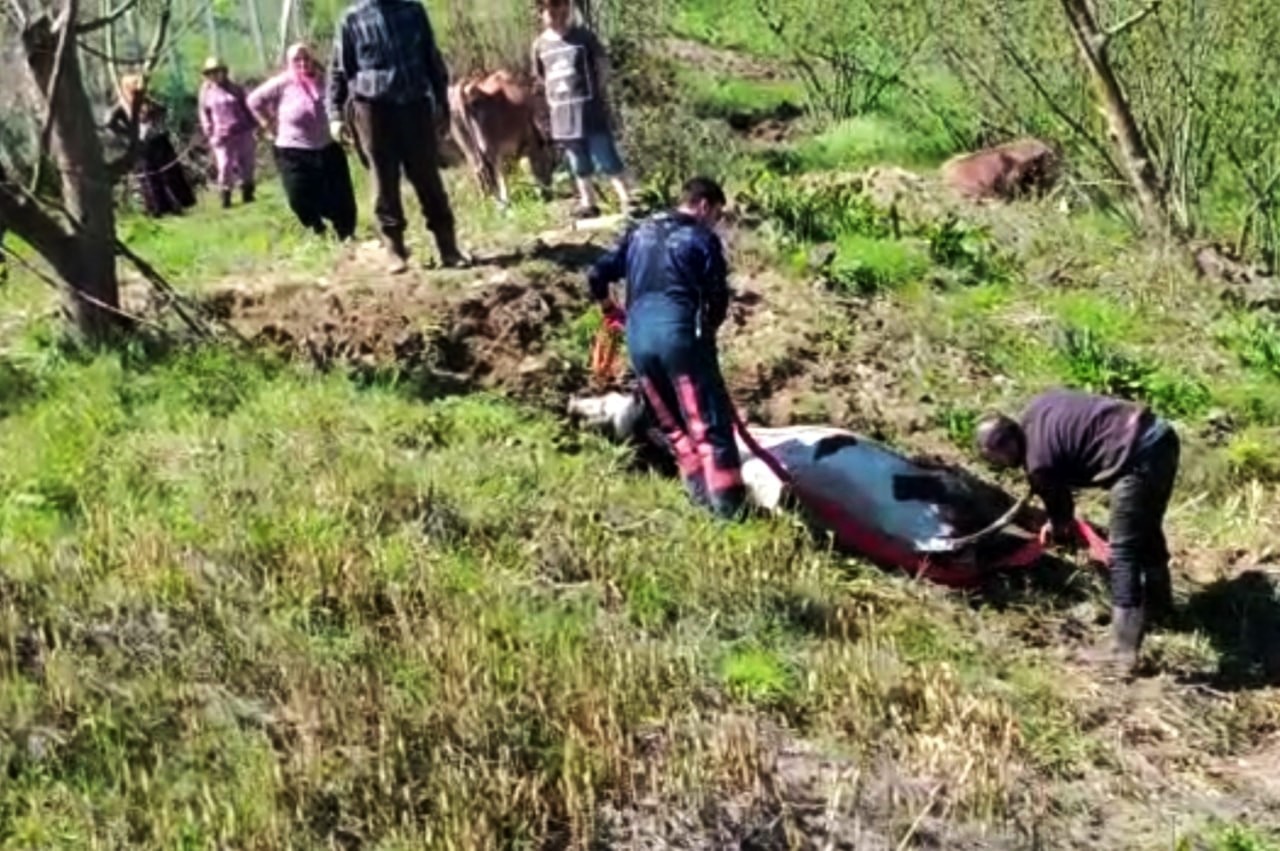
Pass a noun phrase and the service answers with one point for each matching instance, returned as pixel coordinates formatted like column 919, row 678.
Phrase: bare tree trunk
column 255, row 27
column 1126, row 136
column 211, row 26
column 84, row 257
column 286, row 16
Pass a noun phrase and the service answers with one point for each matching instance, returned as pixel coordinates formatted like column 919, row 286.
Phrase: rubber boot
column 1119, row 658
column 1127, row 629
column 246, row 192
column 450, row 256
column 226, row 199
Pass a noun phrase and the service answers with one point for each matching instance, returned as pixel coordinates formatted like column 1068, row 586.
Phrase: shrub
column 819, row 209
column 1256, row 342
column 968, row 249
column 1094, row 366
column 866, row 265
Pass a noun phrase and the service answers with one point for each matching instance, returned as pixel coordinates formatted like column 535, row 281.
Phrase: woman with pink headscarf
column 313, row 167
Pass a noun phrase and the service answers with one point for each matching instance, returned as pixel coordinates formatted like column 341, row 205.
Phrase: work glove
column 615, row 319
column 337, row 131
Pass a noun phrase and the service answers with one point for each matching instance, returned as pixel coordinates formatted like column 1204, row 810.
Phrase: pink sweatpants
column 235, row 159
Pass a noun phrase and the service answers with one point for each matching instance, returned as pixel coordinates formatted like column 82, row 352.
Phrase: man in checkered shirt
column 387, row 71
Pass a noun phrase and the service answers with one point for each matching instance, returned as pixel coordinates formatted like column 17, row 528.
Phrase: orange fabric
column 606, row 357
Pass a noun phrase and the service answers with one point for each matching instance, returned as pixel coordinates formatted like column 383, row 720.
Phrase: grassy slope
column 247, row 605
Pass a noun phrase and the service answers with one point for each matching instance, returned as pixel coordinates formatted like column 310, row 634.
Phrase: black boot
column 246, row 192
column 226, row 199
column 450, row 256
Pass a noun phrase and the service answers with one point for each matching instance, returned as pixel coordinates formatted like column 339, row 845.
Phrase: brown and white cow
column 492, row 119
column 1004, row 172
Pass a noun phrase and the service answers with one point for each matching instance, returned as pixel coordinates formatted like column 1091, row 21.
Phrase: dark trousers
column 681, row 380
column 161, row 179
column 402, row 138
column 318, row 186
column 1139, row 552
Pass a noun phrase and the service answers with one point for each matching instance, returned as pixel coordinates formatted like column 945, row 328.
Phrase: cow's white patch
column 836, row 466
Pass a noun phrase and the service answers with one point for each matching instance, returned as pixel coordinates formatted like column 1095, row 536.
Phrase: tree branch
column 106, row 20
column 1130, row 22
column 59, row 61
column 156, row 50
column 1063, row 115
column 19, row 13
column 20, row 215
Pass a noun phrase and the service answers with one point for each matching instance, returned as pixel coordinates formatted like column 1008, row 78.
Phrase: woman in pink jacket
column 313, row 167
column 230, row 128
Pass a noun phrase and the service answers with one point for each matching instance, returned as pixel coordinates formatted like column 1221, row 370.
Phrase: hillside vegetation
column 352, row 581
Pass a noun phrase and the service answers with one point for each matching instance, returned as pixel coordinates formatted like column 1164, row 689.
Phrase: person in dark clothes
column 313, row 167
column 162, row 182
column 677, row 298
column 1069, row 440
column 385, row 61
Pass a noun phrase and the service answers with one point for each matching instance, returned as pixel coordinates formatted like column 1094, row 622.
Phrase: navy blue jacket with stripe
column 675, row 268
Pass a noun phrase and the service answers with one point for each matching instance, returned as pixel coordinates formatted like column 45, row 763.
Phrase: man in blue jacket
column 677, row 298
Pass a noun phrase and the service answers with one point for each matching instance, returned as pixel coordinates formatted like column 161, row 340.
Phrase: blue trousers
column 680, row 376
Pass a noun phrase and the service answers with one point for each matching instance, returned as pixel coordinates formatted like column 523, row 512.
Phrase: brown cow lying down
column 492, row 120
column 1004, row 172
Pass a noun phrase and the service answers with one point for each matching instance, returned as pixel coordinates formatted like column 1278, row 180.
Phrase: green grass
column 720, row 96
column 243, row 604
column 229, row 572
column 866, row 265
column 866, row 141
column 248, row 240
column 731, row 24
column 264, row 239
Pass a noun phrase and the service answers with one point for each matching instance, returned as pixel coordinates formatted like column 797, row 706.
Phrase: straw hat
column 212, row 64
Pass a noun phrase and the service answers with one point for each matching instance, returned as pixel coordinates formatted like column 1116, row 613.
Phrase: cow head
column 618, row 416
column 1034, row 167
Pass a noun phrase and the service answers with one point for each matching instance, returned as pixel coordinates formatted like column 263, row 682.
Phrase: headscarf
column 132, row 87
column 309, row 82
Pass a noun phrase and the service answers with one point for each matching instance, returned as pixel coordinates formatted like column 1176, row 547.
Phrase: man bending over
column 1070, row 440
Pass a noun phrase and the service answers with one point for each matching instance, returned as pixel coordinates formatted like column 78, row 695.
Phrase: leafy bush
column 960, row 423
column 967, row 249
column 1256, row 341
column 866, row 265
column 1094, row 366
column 818, row 210
column 1251, row 455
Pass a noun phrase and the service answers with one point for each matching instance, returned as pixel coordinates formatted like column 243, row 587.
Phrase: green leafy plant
column 866, row 265
column 969, row 249
column 814, row 209
column 1095, row 366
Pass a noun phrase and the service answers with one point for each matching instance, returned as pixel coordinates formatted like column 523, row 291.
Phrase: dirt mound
column 493, row 334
